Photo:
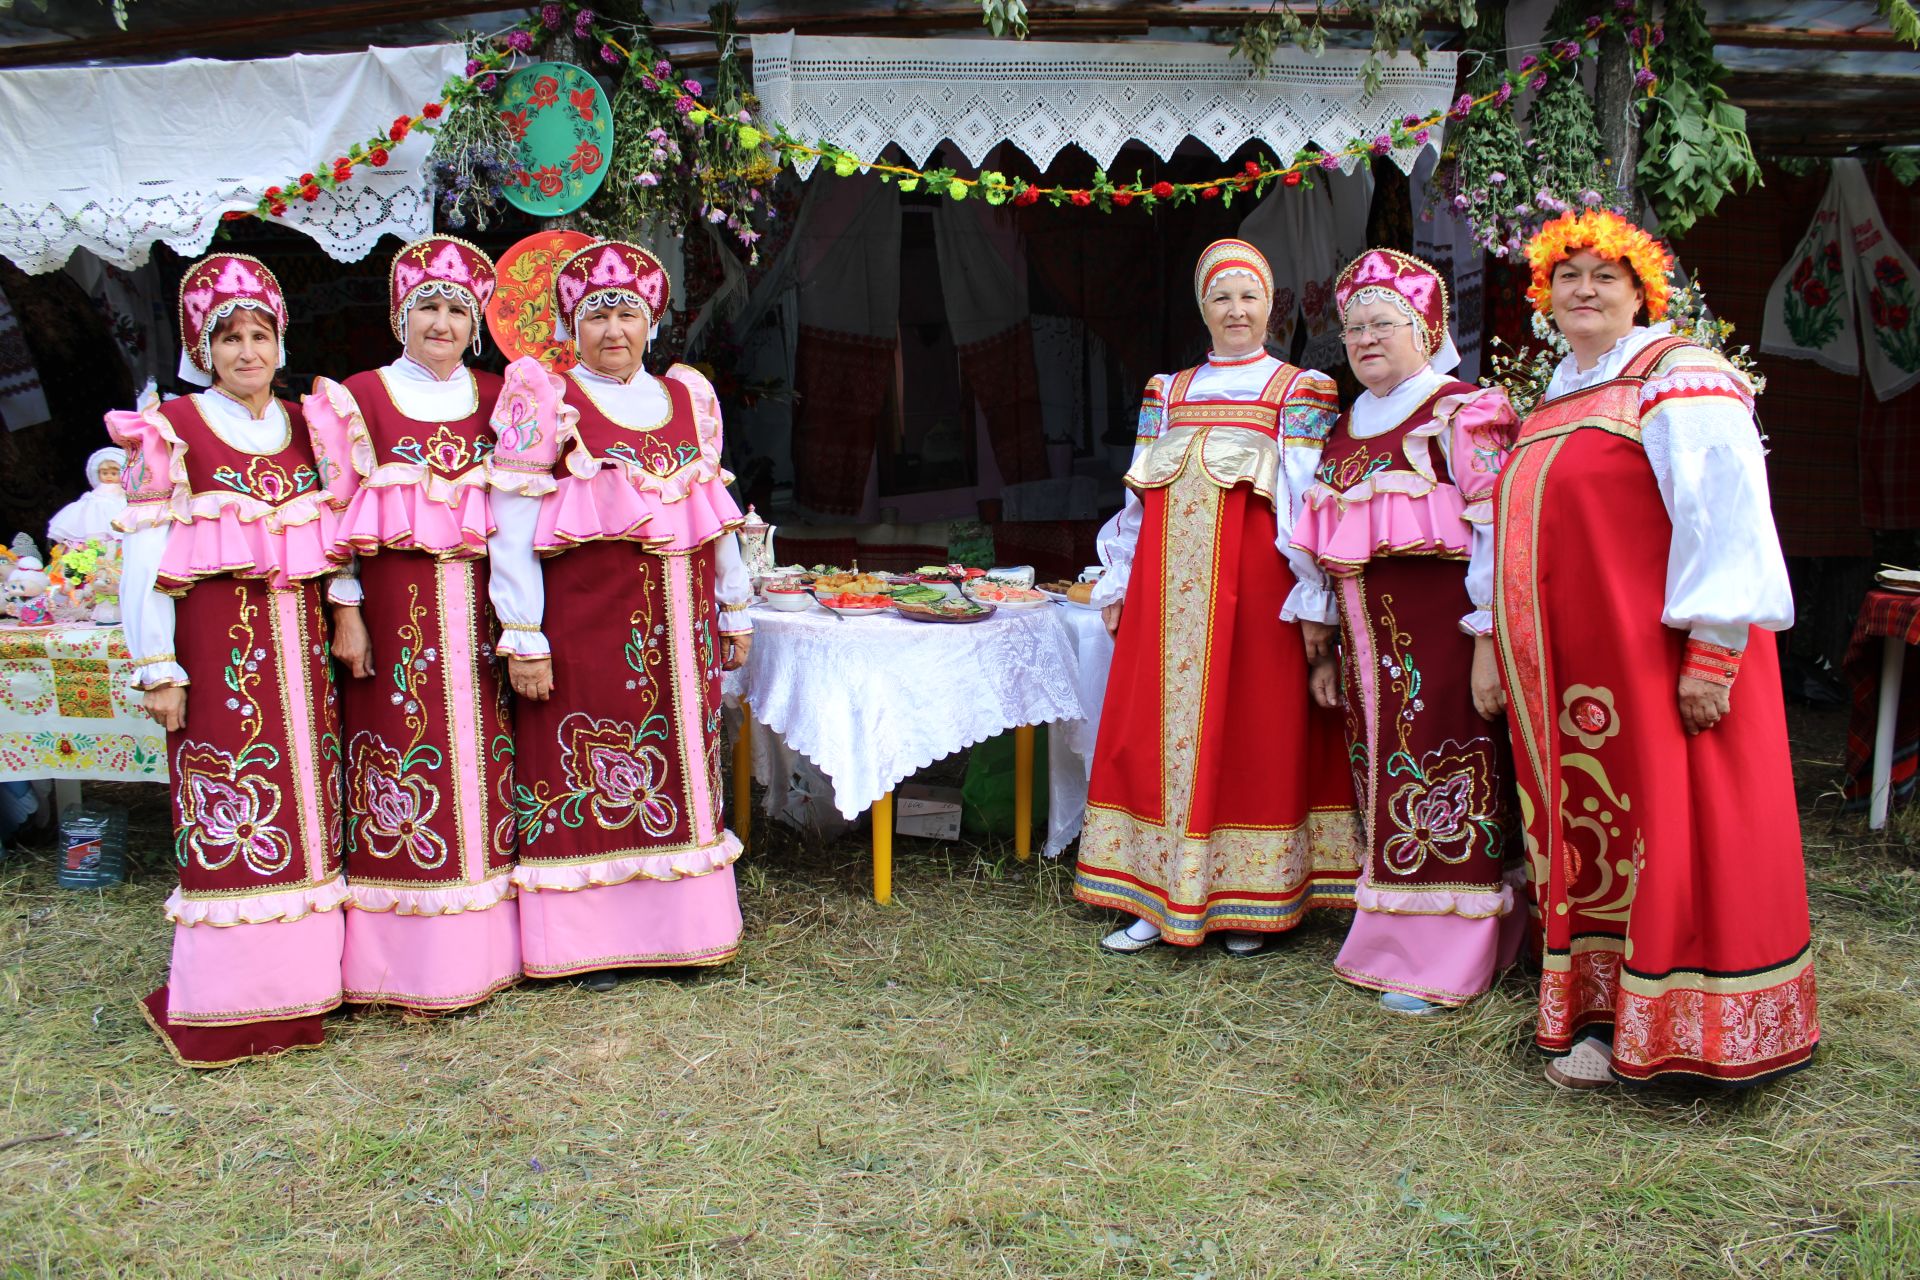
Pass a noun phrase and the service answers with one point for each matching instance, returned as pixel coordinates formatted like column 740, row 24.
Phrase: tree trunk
column 1614, row 100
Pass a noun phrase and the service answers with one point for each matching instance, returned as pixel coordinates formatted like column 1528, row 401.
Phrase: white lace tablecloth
column 872, row 701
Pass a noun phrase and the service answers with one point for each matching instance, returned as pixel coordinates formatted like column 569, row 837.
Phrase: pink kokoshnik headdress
column 439, row 266
column 607, row 272
column 1411, row 286
column 213, row 289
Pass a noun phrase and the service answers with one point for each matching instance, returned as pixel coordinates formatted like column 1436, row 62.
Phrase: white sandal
column 1122, row 943
column 1588, row 1066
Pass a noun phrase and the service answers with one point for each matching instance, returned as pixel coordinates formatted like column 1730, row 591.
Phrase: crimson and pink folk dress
column 1220, row 799
column 615, row 554
column 429, row 744
column 228, row 526
column 1636, row 544
column 1399, row 518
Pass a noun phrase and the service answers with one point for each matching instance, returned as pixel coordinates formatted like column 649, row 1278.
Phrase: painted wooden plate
column 520, row 313
column 562, row 129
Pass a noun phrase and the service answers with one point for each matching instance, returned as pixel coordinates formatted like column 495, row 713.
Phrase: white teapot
column 756, row 546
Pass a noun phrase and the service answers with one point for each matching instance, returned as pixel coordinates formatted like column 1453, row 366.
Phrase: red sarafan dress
column 228, row 525
column 624, row 860
column 1634, row 542
column 1220, row 797
column 1397, row 518
column 429, row 743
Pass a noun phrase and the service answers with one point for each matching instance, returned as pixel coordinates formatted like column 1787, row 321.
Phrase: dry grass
column 959, row 1085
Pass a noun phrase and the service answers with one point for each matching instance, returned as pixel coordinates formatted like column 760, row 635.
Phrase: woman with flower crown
column 1400, row 518
column 429, row 750
column 1220, row 801
column 1639, row 584
column 621, row 595
column 228, row 525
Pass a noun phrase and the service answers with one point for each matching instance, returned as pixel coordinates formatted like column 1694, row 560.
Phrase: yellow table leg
column 883, row 849
column 743, row 775
column 1023, row 792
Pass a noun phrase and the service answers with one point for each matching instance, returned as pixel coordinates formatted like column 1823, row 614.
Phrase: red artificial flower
column 586, row 102
column 1081, row 198
column 546, row 92
column 401, row 125
column 234, row 215
column 431, row 111
column 517, row 123
column 1122, row 196
column 277, row 208
column 310, row 193
column 1253, row 167
column 1027, row 196
column 1162, row 190
column 377, row 157
column 1815, row 293
column 272, row 192
column 1292, row 178
column 550, row 180
column 306, row 179
column 342, row 170
column 585, row 159
column 1209, row 193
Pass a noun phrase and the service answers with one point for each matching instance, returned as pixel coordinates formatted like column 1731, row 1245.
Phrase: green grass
column 957, row 1085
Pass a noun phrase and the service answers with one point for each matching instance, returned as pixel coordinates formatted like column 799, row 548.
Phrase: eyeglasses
column 1381, row 329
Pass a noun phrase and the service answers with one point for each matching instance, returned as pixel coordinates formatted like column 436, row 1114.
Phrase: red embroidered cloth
column 1882, row 614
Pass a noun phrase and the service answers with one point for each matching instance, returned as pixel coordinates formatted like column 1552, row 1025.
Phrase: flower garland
column 1609, row 236
column 756, row 143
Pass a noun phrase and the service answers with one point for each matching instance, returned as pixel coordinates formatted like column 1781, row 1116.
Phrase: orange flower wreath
column 1610, row 236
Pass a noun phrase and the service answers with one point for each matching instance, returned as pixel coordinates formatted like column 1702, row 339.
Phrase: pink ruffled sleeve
column 149, row 478
column 334, row 422
column 531, row 422
column 1481, row 427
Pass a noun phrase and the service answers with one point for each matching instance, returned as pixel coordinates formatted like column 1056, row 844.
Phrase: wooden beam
column 258, row 25
column 1751, row 36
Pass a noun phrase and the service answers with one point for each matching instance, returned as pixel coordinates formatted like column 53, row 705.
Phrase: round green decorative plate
column 562, row 131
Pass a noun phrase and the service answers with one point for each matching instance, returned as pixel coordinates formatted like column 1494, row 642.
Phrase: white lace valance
column 112, row 159
column 862, row 94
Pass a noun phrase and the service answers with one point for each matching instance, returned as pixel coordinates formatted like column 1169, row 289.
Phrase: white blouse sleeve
column 1115, row 545
column 732, row 587
column 515, row 581
column 1725, row 570
column 1120, row 536
column 343, row 584
column 146, row 616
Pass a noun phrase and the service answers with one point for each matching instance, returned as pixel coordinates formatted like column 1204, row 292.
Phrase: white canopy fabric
column 865, row 93
column 112, row 159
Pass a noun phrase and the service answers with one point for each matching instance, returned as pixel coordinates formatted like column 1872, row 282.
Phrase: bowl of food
column 787, row 597
column 853, row 604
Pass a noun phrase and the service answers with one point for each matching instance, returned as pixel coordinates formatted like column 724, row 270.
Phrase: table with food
column 872, row 677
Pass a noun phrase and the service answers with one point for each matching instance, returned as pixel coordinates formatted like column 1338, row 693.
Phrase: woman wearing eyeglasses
column 1399, row 518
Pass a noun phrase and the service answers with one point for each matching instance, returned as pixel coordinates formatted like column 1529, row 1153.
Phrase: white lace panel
column 865, row 93
column 112, row 159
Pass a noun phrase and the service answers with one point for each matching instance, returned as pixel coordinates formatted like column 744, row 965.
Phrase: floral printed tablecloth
column 67, row 711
